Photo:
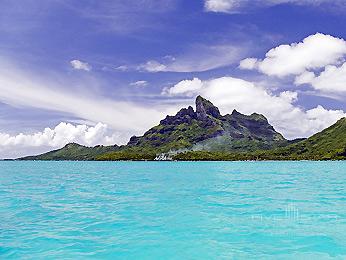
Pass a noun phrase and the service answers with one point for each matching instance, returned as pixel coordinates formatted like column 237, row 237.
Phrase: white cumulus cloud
column 185, row 88
column 248, row 63
column 80, row 65
column 230, row 93
column 319, row 60
column 332, row 79
column 304, row 78
column 314, row 52
column 13, row 146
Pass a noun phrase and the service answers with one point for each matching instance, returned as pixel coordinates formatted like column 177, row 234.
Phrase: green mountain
column 207, row 129
column 205, row 134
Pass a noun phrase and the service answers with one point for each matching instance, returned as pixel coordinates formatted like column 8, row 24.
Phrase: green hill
column 75, row 152
column 325, row 145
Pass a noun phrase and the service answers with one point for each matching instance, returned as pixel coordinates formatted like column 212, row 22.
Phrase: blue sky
column 101, row 71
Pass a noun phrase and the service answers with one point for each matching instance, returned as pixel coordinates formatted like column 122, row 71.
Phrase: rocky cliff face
column 207, row 129
column 205, row 108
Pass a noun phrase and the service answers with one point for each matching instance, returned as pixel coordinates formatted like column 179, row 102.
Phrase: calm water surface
column 173, row 210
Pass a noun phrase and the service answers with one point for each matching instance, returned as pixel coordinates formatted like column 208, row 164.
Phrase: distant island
column 205, row 134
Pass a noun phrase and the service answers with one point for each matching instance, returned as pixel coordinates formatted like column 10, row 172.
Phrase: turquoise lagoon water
column 173, row 210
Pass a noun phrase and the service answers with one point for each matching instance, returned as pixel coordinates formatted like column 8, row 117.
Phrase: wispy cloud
column 197, row 58
column 24, row 16
column 122, row 68
column 236, row 6
column 140, row 83
column 107, row 15
column 152, row 66
column 122, row 16
column 21, row 89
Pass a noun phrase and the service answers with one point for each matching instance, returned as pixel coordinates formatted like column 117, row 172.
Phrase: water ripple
column 172, row 210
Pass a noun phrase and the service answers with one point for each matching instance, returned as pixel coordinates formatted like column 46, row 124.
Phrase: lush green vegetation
column 330, row 144
column 164, row 138
column 127, row 155
column 212, row 156
column 74, row 152
column 205, row 134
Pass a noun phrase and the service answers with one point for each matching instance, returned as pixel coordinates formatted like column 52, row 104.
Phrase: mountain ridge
column 189, row 127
